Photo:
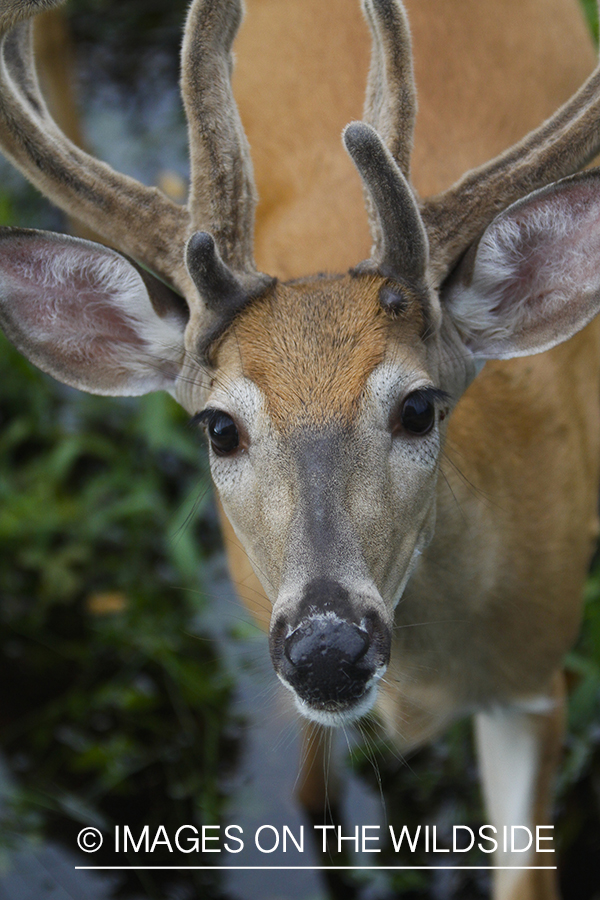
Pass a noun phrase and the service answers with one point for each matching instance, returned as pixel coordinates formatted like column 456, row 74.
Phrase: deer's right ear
column 87, row 315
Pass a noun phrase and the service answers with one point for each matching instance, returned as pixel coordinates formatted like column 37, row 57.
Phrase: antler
column 382, row 152
column 222, row 196
column 141, row 221
column 456, row 218
column 563, row 145
column 391, row 99
column 399, row 239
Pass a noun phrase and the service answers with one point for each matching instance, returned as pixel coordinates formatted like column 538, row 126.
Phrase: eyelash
column 201, row 418
column 435, row 395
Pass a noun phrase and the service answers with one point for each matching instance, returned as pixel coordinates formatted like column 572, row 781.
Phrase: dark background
column 134, row 688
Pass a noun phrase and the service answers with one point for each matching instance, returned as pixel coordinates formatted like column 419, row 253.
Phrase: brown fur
column 311, row 347
column 485, row 78
column 517, row 515
column 486, row 74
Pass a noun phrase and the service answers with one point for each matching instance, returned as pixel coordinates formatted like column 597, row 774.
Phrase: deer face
column 326, row 419
column 325, row 400
column 328, row 405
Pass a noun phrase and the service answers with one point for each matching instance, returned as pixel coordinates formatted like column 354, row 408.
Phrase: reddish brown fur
column 484, row 78
column 486, row 74
column 310, row 347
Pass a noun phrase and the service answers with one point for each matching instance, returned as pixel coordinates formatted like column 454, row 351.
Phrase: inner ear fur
column 533, row 279
column 89, row 316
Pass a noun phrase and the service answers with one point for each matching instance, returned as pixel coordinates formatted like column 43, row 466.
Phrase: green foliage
column 579, row 783
column 590, row 8
column 117, row 705
column 583, row 667
column 93, row 490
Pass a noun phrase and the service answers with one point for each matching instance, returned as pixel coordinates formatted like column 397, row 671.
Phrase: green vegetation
column 114, row 703
column 590, row 7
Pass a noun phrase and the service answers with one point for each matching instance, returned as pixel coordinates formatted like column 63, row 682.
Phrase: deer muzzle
column 330, row 654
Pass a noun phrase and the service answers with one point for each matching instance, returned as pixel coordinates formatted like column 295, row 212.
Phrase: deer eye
column 223, row 433
column 222, row 430
column 417, row 415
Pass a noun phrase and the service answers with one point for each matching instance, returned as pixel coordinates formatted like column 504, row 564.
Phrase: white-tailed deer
column 338, row 407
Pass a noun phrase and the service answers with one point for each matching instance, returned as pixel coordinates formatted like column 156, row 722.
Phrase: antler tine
column 391, row 100
column 383, row 156
column 141, row 220
column 223, row 195
column 400, row 241
column 561, row 146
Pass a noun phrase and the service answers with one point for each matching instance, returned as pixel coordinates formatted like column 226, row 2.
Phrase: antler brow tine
column 400, row 241
column 140, row 220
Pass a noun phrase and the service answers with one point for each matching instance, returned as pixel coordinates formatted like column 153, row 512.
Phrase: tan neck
column 311, row 213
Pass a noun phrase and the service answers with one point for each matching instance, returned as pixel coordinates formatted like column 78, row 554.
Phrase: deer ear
column 87, row 315
column 533, row 280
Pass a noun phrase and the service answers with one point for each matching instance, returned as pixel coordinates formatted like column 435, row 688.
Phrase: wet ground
column 141, row 131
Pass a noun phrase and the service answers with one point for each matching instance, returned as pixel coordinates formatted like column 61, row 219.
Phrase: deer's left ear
column 533, row 279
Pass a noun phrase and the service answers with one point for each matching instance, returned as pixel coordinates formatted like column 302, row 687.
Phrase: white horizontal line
column 317, row 868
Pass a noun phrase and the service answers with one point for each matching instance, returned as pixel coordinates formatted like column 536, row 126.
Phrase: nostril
column 330, row 663
column 323, row 636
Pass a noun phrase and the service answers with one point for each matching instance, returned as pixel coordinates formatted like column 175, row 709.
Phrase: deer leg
column 318, row 794
column 317, row 783
column 519, row 751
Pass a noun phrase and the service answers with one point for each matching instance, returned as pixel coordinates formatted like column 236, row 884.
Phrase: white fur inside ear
column 536, row 277
column 82, row 313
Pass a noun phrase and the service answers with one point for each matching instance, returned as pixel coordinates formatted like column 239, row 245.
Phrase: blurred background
column 134, row 688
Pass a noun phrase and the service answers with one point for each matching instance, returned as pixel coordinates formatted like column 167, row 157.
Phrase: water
column 260, row 788
column 141, row 132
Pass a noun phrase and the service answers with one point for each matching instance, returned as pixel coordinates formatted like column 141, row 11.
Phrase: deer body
column 421, row 524
column 486, row 74
column 461, row 123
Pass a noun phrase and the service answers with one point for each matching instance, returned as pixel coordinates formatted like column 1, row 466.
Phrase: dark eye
column 417, row 414
column 223, row 433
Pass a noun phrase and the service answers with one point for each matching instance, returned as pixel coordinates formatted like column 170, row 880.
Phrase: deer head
column 325, row 400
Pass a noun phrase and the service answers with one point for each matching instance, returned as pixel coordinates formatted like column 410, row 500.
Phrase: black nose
column 329, row 661
column 326, row 661
column 330, row 646
column 325, row 639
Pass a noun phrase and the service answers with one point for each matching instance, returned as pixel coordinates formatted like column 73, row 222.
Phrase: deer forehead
column 311, row 348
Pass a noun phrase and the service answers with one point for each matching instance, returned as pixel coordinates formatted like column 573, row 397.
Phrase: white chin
column 338, row 717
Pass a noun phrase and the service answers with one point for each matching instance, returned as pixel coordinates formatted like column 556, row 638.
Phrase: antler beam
column 223, row 195
column 139, row 219
column 562, row 146
column 456, row 218
column 391, row 100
